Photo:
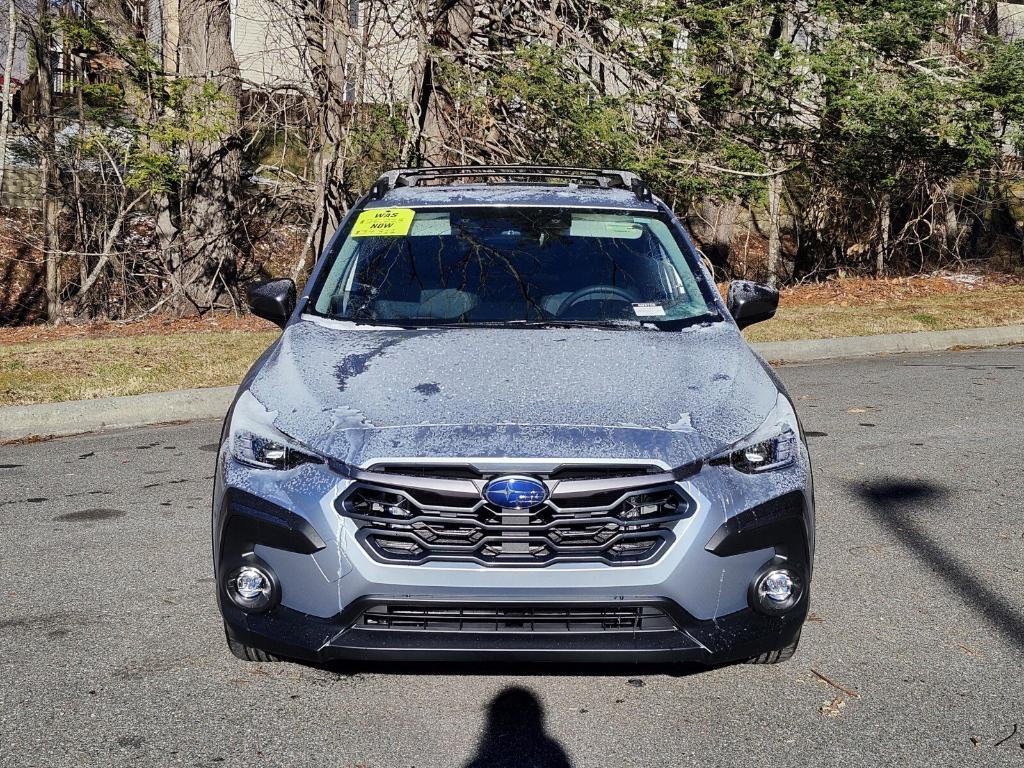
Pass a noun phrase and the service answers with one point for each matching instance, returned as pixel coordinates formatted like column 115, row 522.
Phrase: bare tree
column 450, row 40
column 328, row 32
column 42, row 46
column 6, row 102
column 727, row 108
column 209, row 194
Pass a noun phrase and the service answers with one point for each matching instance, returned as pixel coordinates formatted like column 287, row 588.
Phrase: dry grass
column 85, row 368
column 40, row 365
column 979, row 308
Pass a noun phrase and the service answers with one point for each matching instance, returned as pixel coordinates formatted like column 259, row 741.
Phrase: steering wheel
column 584, row 293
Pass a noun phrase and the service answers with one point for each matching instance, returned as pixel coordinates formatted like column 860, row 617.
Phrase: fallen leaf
column 833, row 708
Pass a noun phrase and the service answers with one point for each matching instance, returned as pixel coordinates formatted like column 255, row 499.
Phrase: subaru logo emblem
column 515, row 492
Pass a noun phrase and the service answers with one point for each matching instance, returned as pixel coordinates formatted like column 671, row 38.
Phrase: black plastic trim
column 564, row 554
column 251, row 520
column 780, row 523
column 474, row 515
column 741, row 635
column 517, row 618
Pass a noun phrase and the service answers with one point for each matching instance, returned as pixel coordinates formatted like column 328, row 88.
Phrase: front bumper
column 734, row 637
column 289, row 522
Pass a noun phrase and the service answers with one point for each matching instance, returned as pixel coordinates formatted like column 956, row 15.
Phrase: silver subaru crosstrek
column 510, row 417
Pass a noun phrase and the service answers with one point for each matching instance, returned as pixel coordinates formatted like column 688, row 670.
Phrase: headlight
column 257, row 443
column 773, row 445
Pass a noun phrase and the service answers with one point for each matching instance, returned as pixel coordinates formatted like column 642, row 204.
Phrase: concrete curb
column 55, row 419
column 21, row 421
column 888, row 344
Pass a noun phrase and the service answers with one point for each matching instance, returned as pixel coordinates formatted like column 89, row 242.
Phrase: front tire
column 779, row 655
column 247, row 652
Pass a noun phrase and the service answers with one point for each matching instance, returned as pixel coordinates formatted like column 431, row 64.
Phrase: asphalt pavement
column 112, row 652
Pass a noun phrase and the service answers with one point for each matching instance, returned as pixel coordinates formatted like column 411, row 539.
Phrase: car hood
column 359, row 394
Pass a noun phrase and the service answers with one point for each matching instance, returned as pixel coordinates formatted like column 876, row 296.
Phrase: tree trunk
column 951, row 225
column 167, row 213
column 774, row 227
column 328, row 33
column 419, row 82
column 884, row 231
column 81, row 217
column 7, row 105
column 719, row 229
column 42, row 45
column 210, row 195
column 453, row 34
column 946, row 227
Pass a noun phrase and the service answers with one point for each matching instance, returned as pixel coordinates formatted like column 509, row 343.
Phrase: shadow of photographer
column 514, row 736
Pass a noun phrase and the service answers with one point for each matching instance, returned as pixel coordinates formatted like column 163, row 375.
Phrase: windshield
column 510, row 265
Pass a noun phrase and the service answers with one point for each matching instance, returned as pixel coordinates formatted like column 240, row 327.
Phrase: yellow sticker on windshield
column 384, row 222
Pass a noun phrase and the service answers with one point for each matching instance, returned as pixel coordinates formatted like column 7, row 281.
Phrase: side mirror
column 751, row 303
column 273, row 300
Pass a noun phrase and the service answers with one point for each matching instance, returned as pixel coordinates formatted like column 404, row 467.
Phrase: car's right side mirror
column 751, row 302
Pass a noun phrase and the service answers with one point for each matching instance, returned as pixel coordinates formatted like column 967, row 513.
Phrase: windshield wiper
column 590, row 323
column 550, row 323
column 624, row 324
column 609, row 324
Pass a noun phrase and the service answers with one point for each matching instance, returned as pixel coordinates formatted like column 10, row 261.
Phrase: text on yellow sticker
column 384, row 222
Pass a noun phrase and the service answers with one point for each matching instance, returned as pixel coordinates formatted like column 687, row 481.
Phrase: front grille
column 615, row 526
column 515, row 619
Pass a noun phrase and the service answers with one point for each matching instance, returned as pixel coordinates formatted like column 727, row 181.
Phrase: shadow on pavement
column 896, row 505
column 514, row 735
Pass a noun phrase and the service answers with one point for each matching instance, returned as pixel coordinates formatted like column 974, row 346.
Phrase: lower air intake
column 515, row 619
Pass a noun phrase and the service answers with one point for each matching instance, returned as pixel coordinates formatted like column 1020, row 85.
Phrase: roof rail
column 513, row 174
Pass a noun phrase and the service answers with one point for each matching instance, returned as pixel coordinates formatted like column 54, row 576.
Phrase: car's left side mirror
column 273, row 300
column 751, row 302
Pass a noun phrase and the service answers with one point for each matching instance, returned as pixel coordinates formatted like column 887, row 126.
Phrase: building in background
column 1011, row 20
column 269, row 42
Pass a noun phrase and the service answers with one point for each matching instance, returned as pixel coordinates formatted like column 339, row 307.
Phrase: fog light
column 251, row 583
column 251, row 588
column 778, row 586
column 776, row 590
